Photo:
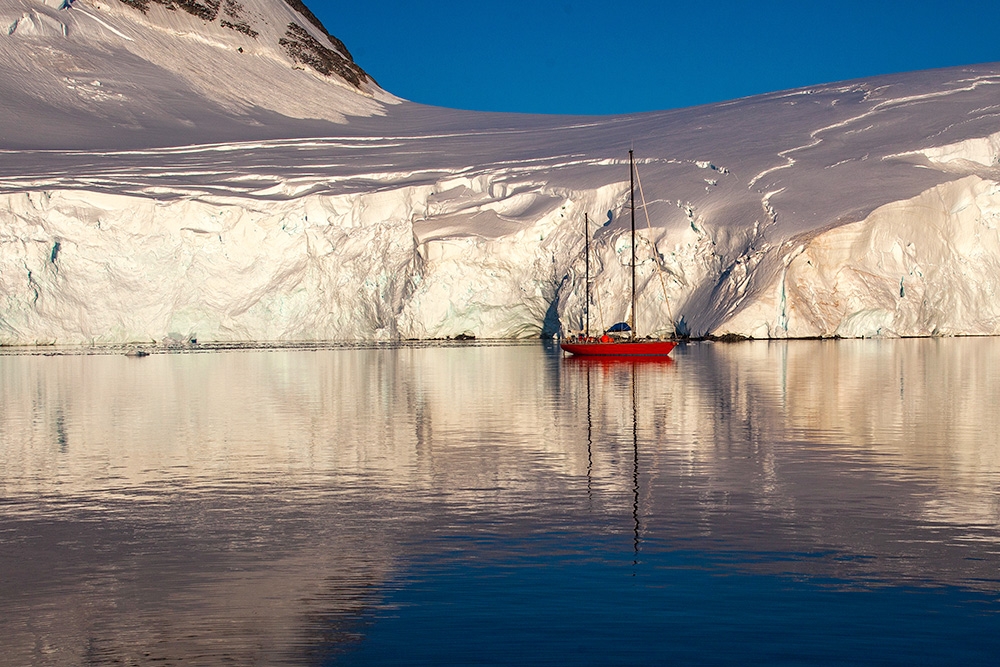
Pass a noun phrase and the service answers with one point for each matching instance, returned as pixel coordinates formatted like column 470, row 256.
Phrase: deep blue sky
column 619, row 56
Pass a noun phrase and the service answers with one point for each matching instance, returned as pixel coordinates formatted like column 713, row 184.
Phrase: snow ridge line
column 877, row 108
column 103, row 23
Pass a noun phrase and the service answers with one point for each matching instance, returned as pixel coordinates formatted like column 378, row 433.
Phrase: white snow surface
column 157, row 184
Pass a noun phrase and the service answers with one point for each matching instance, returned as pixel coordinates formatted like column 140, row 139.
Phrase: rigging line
column 659, row 269
column 585, row 324
column 600, row 310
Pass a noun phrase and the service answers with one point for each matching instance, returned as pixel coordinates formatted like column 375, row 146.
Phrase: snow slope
column 100, row 73
column 326, row 210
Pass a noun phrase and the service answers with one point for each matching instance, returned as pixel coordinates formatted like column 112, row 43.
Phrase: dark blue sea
column 755, row 503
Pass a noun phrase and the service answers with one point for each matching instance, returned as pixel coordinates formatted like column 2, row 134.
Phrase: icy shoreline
column 140, row 350
column 147, row 349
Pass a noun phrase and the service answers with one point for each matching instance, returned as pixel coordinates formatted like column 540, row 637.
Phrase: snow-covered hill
column 115, row 73
column 156, row 181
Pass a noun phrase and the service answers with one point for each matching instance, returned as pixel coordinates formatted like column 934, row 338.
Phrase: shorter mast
column 586, row 253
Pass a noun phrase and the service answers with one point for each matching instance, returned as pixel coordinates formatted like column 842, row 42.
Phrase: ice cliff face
column 199, row 201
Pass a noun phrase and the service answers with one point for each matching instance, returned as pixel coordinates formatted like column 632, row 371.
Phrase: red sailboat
column 619, row 340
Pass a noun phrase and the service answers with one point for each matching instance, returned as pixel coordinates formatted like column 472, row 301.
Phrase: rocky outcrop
column 297, row 42
column 307, row 50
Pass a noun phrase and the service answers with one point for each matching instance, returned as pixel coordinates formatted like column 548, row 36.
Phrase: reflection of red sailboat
column 619, row 340
column 614, row 361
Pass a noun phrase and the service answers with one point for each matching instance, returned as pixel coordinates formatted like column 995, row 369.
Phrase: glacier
column 164, row 176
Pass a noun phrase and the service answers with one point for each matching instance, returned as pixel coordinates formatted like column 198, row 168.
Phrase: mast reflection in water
column 801, row 502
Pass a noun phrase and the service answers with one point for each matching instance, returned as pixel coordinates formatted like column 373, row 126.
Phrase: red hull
column 639, row 348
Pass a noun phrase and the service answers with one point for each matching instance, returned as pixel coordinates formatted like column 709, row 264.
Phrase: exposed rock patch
column 235, row 18
column 207, row 10
column 297, row 42
column 306, row 49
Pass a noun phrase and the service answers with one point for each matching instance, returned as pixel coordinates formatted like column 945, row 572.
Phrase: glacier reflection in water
column 761, row 502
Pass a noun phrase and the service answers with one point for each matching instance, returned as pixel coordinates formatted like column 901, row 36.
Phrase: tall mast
column 586, row 252
column 631, row 183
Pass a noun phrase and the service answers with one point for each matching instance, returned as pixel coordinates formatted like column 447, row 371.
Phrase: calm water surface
column 761, row 503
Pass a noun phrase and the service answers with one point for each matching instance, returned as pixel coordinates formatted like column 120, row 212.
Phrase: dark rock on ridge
column 301, row 46
column 306, row 49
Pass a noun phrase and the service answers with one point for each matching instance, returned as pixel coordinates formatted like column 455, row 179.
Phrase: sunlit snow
column 165, row 177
